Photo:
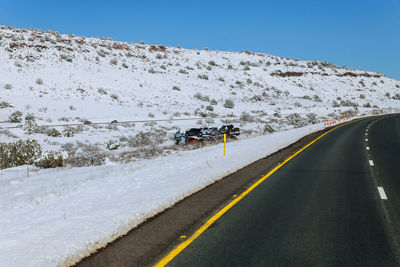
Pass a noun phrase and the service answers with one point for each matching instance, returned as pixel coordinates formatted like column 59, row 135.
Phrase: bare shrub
column 88, row 155
column 247, row 117
column 268, row 129
column 296, row 120
column 201, row 97
column 176, row 88
column 114, row 61
column 39, row 81
column 8, row 86
column 102, row 91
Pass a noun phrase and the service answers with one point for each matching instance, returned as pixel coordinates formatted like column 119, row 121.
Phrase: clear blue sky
column 361, row 34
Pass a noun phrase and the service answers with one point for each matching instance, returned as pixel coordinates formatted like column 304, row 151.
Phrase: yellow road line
column 164, row 261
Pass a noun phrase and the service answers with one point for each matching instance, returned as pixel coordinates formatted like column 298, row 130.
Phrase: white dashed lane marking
column 371, row 163
column 382, row 193
column 367, row 147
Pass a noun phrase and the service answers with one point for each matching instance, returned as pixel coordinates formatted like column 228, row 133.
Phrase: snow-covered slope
column 65, row 79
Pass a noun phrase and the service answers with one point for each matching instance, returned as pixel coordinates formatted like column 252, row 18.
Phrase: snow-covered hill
column 66, row 79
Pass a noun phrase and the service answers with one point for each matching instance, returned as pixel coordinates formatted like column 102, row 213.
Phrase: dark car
column 114, row 121
column 87, row 122
column 229, row 130
column 194, row 132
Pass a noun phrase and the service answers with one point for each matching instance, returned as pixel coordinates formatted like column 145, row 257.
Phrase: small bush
column 112, row 145
column 68, row 131
column 312, row 118
column 183, row 71
column 397, row 86
column 102, row 91
column 247, row 117
column 268, row 128
column 124, row 65
column 5, row 105
column 396, row 97
column 50, row 160
column 348, row 103
column 367, row 105
column 199, row 96
column 113, row 61
column 214, row 102
column 202, row 76
column 316, row 98
column 39, row 81
column 114, row 96
column 387, row 94
column 8, row 86
column 176, row 88
column 19, row 153
column 210, row 108
column 53, row 132
column 150, row 115
column 296, row 120
column 229, row 103
column 297, row 104
column 212, row 63
column 15, row 117
column 362, row 96
column 221, row 79
column 30, row 125
column 335, row 104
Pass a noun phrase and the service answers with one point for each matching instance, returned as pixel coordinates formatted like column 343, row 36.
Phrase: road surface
column 337, row 203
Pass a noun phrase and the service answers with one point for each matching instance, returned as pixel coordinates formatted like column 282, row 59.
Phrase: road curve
column 325, row 207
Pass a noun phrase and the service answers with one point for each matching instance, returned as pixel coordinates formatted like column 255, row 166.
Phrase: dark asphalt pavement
column 322, row 208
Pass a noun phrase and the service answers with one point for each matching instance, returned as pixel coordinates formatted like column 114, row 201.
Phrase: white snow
column 57, row 216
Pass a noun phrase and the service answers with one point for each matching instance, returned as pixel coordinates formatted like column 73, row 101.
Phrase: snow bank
column 57, row 217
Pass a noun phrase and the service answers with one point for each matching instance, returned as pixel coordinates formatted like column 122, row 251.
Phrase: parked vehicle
column 229, row 130
column 193, row 135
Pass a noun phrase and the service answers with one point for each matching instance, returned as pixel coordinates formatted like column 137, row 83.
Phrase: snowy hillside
column 66, row 79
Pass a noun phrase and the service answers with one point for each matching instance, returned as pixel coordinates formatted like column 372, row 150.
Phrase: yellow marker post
column 324, row 119
column 224, row 145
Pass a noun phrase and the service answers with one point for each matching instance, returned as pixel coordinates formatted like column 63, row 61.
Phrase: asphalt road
column 322, row 208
